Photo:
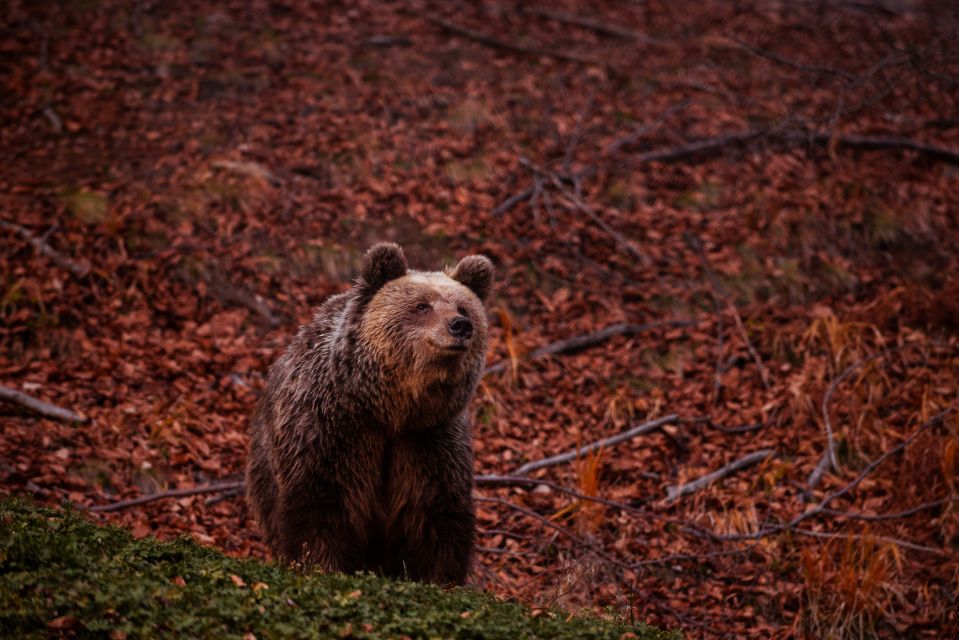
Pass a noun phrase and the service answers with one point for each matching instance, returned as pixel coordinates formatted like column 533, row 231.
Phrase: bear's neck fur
column 401, row 393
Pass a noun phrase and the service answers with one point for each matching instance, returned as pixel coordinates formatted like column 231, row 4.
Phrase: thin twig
column 821, row 508
column 39, row 244
column 172, row 493
column 496, row 43
column 869, row 468
column 719, row 290
column 763, row 375
column 558, row 528
column 829, row 460
column 578, row 343
column 587, row 23
column 905, row 544
column 39, row 406
column 520, row 481
column 806, row 68
column 707, row 147
column 879, row 517
column 677, row 491
column 512, row 201
column 633, row 137
column 573, row 454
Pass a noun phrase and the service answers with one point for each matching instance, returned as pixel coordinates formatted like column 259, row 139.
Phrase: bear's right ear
column 383, row 262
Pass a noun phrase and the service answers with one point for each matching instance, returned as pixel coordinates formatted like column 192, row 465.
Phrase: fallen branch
column 822, row 507
column 172, row 493
column 719, row 291
column 578, row 343
column 580, row 542
column 232, row 293
column 828, row 461
column 899, row 542
column 708, row 147
column 512, row 201
column 520, row 481
column 39, row 244
column 632, row 138
column 878, row 517
column 573, row 454
column 39, row 406
column 677, row 491
column 496, row 43
column 587, row 23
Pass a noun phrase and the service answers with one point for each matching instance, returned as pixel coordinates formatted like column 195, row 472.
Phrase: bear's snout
column 461, row 327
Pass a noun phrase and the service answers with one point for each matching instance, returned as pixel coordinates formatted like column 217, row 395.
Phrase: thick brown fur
column 361, row 446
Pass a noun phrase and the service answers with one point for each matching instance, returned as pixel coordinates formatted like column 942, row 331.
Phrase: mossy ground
column 62, row 575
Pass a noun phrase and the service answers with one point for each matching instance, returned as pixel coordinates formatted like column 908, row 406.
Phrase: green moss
column 100, row 582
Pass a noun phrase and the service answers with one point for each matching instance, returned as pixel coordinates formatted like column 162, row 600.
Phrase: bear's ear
column 383, row 262
column 475, row 272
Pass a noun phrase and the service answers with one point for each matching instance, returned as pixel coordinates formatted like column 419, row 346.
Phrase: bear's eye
column 421, row 307
column 460, row 310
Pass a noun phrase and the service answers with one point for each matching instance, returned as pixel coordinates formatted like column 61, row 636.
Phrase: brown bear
column 361, row 451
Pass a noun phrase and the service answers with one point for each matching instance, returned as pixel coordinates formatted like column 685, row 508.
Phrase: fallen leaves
column 207, row 247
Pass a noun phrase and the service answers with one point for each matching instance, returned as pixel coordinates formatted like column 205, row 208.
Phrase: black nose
column 461, row 327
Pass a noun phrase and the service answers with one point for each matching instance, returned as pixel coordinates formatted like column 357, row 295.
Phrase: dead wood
column 720, row 292
column 899, row 542
column 631, row 139
column 503, row 45
column 78, row 269
column 573, row 454
column 828, row 461
column 564, row 531
column 172, row 493
column 578, row 343
column 231, row 293
column 708, row 147
column 879, row 517
column 512, row 201
column 39, row 406
column 677, row 491
column 588, row 23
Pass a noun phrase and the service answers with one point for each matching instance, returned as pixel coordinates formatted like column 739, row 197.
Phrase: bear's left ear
column 476, row 273
column 383, row 262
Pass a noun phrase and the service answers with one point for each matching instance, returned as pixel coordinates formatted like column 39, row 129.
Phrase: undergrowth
column 61, row 575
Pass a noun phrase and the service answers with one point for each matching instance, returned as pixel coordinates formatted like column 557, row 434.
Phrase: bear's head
column 425, row 326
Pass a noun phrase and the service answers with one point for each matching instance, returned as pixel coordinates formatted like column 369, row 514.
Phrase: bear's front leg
column 444, row 553
column 315, row 530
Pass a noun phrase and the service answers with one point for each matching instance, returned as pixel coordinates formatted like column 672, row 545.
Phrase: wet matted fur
column 361, row 446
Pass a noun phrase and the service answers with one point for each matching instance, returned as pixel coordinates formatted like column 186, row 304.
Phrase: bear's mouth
column 451, row 348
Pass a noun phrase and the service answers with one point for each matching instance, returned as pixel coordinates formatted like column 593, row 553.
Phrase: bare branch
column 39, row 244
column 677, row 491
column 503, row 45
column 632, row 138
column 878, row 517
column 828, row 460
column 39, row 406
column 585, row 544
column 719, row 291
column 172, row 493
column 512, row 201
column 899, row 542
column 869, row 468
column 553, row 461
column 592, row 25
column 578, row 343
column 707, row 147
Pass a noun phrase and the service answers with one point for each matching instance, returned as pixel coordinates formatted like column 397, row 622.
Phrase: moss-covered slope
column 61, row 575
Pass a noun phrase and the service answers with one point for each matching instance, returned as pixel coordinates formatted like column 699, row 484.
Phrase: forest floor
column 767, row 192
